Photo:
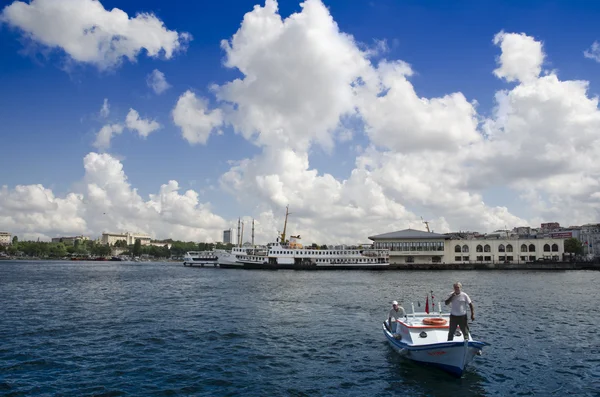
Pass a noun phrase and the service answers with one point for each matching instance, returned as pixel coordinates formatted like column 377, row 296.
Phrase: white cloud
column 105, row 110
column 593, row 52
column 143, row 126
column 298, row 76
column 133, row 122
column 157, row 81
column 88, row 33
column 196, row 121
column 398, row 119
column 105, row 135
column 108, row 203
column 521, row 58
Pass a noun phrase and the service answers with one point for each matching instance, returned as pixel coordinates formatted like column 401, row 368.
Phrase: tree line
column 43, row 249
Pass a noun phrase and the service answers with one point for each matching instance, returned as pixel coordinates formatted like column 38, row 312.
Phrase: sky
column 177, row 118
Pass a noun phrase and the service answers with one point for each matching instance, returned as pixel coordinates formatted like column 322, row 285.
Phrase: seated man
column 396, row 313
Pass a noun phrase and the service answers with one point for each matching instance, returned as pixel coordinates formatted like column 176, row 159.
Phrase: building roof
column 409, row 234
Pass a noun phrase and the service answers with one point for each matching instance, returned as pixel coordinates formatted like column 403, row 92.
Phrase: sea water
column 161, row 329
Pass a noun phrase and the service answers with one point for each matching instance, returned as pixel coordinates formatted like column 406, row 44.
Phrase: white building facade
column 419, row 247
column 5, row 238
column 70, row 240
column 129, row 238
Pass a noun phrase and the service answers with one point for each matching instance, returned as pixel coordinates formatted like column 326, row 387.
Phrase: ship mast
column 285, row 224
column 252, row 233
column 242, row 236
column 238, row 234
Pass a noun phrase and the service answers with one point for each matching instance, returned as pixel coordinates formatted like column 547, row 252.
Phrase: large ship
column 200, row 258
column 290, row 254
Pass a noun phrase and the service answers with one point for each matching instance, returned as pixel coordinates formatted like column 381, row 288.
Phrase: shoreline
column 552, row 266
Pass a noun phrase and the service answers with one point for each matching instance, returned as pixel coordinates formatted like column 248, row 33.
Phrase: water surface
column 161, row 329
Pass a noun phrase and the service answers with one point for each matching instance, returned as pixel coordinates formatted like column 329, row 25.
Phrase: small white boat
column 201, row 258
column 422, row 337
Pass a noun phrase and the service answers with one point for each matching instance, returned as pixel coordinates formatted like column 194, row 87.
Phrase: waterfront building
column 69, row 240
column 589, row 235
column 227, row 236
column 420, row 247
column 128, row 237
column 160, row 244
column 5, row 238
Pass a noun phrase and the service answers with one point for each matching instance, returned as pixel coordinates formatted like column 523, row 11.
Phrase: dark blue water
column 112, row 329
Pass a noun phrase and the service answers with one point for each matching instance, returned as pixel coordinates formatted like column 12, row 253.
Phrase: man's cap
column 394, row 303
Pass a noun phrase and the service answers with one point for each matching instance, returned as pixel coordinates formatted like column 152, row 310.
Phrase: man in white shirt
column 458, row 312
column 396, row 313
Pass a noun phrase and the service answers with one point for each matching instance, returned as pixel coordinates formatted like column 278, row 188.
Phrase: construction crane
column 426, row 224
column 285, row 224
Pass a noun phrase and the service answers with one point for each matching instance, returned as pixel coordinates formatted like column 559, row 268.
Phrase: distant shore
column 543, row 266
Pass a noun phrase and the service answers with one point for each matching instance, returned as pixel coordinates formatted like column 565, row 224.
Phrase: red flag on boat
column 427, row 305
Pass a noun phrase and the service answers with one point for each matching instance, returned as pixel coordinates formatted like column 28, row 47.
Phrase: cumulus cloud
column 105, row 135
column 133, row 122
column 195, row 119
column 521, row 58
column 107, row 202
column 157, row 81
column 90, row 34
column 297, row 80
column 143, row 126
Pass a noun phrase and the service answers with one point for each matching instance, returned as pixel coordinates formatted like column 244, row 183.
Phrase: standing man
column 458, row 313
column 396, row 313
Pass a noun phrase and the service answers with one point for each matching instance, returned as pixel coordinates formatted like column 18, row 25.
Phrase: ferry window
column 509, row 248
column 501, row 248
column 457, row 248
column 465, row 248
column 487, row 258
column 531, row 248
column 486, row 248
column 480, row 258
column 546, row 247
column 554, row 247
column 523, row 258
column 523, row 248
column 457, row 258
column 479, row 248
column 465, row 258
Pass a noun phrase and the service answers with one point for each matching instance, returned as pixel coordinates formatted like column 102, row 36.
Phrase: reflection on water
column 162, row 329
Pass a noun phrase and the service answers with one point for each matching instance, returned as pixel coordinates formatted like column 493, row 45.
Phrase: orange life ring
column 434, row 321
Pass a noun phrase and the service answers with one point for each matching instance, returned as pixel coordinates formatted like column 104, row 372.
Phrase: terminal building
column 420, row 247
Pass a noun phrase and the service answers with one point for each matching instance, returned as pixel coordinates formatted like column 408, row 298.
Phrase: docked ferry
column 284, row 254
column 200, row 258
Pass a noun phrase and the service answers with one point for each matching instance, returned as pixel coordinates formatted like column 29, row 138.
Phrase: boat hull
column 452, row 357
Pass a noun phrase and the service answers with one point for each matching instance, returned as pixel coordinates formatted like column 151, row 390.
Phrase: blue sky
column 50, row 115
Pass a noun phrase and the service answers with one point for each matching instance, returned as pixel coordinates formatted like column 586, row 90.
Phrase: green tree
column 57, row 250
column 15, row 241
column 137, row 247
column 573, row 246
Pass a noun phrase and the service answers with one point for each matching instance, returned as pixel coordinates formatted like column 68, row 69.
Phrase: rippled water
column 110, row 329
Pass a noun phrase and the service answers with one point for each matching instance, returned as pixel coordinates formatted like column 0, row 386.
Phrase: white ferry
column 202, row 258
column 229, row 259
column 292, row 255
